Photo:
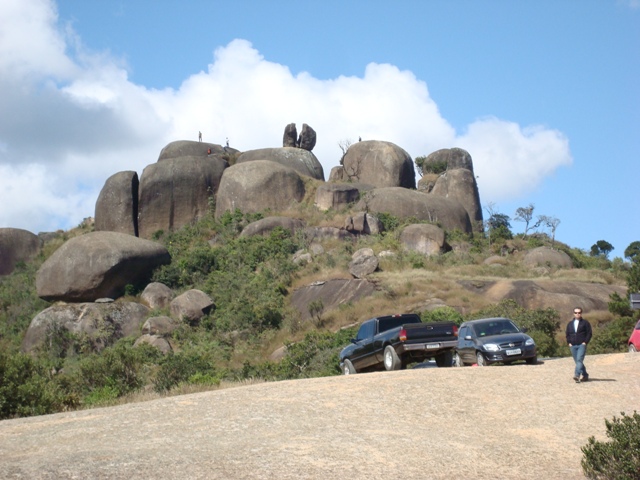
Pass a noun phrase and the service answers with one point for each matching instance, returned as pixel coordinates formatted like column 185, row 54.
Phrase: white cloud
column 77, row 119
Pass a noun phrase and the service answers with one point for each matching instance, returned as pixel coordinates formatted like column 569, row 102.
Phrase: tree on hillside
column 525, row 214
column 632, row 252
column 344, row 145
column 601, row 248
column 551, row 223
column 498, row 225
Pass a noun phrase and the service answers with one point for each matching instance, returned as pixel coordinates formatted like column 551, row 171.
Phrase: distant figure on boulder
column 209, row 151
column 227, row 142
column 199, row 136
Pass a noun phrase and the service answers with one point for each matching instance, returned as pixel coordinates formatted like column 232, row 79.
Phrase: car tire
column 632, row 348
column 532, row 360
column 348, row 368
column 391, row 359
column 444, row 359
column 481, row 361
column 457, row 361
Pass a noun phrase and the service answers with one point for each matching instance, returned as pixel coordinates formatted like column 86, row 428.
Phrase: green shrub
column 442, row 314
column 618, row 459
column 612, row 337
column 179, row 368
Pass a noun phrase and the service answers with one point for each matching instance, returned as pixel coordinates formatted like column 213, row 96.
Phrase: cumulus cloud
column 75, row 119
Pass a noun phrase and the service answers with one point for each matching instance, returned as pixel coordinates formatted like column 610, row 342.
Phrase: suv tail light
column 403, row 335
column 455, row 330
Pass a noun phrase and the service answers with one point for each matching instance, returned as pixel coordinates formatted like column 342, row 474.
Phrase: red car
column 634, row 339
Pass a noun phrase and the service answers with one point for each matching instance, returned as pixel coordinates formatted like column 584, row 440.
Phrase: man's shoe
column 585, row 378
column 576, row 379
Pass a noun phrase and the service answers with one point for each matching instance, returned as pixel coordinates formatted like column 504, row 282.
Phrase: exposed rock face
column 103, row 323
column 16, row 245
column 191, row 306
column 453, row 158
column 290, row 137
column 363, row 263
column 337, row 174
column 427, row 182
column 307, row 138
column 405, row 203
column 424, row 238
column 161, row 325
column 331, row 293
column 157, row 295
column 191, row 149
column 545, row 256
column 324, row 233
column 117, row 204
column 339, row 195
column 96, row 265
column 259, row 185
column 459, row 182
column 382, row 164
column 559, row 295
column 266, row 225
column 302, row 161
column 175, row 192
column 363, row 224
column 155, row 341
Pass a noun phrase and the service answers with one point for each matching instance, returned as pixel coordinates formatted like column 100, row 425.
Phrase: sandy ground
column 509, row 422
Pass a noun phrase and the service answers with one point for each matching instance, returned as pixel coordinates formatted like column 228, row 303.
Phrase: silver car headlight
column 492, row 347
column 529, row 342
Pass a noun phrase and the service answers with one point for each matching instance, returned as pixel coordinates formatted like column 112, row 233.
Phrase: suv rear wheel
column 391, row 359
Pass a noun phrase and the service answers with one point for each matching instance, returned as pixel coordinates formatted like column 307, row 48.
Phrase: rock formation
column 117, row 204
column 290, row 137
column 302, row 161
column 382, row 164
column 16, row 245
column 337, row 196
column 423, row 238
column 266, row 225
column 307, row 138
column 97, row 265
column 258, row 185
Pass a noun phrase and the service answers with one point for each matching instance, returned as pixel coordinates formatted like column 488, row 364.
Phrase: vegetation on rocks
column 250, row 279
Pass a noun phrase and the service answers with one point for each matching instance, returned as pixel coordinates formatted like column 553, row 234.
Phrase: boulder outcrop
column 97, row 265
column 546, row 256
column 176, row 191
column 266, row 225
column 307, row 138
column 363, row 263
column 363, row 224
column 382, row 164
column 339, row 195
column 101, row 323
column 302, row 161
column 190, row 149
column 425, row 239
column 290, row 137
column 117, row 204
column 157, row 295
column 257, row 186
column 16, row 245
column 191, row 306
column 404, row 203
column 332, row 294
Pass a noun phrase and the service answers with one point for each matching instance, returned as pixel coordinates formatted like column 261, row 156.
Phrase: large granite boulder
column 157, row 295
column 290, row 137
column 363, row 223
column 101, row 323
column 156, row 341
column 307, row 138
column 404, row 203
column 459, row 183
column 326, row 233
column 175, row 192
column 425, row 239
column 302, row 161
column 97, row 265
column 161, row 325
column 257, row 186
column 547, row 257
column 191, row 306
column 363, row 262
column 382, row 164
column 191, row 149
column 450, row 158
column 332, row 294
column 339, row 195
column 266, row 225
column 16, row 245
column 117, row 204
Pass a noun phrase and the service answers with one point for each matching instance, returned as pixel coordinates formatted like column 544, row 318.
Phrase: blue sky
column 543, row 94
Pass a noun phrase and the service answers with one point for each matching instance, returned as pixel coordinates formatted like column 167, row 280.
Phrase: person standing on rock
column 199, row 136
column 578, row 337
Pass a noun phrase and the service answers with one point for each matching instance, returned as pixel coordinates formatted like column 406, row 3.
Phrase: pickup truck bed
column 394, row 341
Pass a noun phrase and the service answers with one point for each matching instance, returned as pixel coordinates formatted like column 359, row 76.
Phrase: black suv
column 491, row 340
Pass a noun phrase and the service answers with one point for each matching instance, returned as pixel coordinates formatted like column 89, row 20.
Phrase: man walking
column 578, row 336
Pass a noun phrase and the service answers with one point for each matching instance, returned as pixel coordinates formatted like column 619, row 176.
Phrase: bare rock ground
column 512, row 422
